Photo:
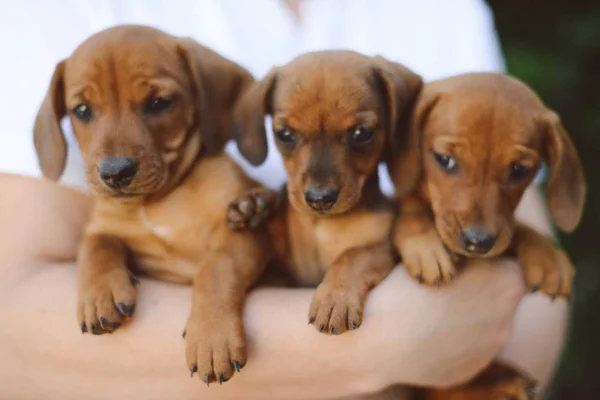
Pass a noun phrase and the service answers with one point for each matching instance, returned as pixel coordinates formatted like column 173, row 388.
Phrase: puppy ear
column 406, row 166
column 48, row 137
column 567, row 188
column 217, row 84
column 401, row 87
column 249, row 119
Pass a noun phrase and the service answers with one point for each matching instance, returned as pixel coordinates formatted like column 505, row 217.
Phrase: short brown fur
column 323, row 98
column 490, row 125
column 169, row 221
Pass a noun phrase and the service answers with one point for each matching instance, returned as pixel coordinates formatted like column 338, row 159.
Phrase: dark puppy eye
column 447, row 163
column 518, row 172
column 286, row 137
column 156, row 105
column 360, row 137
column 83, row 112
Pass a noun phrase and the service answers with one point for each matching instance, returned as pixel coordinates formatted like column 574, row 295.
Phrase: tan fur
column 169, row 220
column 487, row 123
column 323, row 98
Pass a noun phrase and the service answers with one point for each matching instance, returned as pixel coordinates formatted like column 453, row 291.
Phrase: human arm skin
column 410, row 334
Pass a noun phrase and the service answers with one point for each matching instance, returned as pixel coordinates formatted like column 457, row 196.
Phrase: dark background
column 554, row 46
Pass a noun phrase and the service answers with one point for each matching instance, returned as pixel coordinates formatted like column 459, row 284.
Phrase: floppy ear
column 249, row 119
column 401, row 87
column 48, row 137
column 566, row 189
column 406, row 166
column 217, row 85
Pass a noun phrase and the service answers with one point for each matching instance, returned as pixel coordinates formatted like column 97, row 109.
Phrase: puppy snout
column 321, row 198
column 117, row 172
column 477, row 240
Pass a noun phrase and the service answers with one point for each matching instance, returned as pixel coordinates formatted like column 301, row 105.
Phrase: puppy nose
column 321, row 198
column 476, row 240
column 117, row 172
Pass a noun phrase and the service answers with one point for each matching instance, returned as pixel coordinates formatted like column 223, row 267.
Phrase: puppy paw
column 517, row 388
column 548, row 269
column 215, row 347
column 250, row 210
column 105, row 301
column 335, row 310
column 427, row 259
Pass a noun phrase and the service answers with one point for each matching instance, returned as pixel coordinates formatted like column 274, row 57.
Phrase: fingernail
column 193, row 369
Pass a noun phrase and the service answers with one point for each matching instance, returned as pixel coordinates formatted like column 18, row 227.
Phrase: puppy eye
column 360, row 137
column 83, row 112
column 518, row 172
column 286, row 137
column 156, row 105
column 447, row 163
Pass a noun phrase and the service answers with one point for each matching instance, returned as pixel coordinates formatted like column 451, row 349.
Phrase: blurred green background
column 554, row 46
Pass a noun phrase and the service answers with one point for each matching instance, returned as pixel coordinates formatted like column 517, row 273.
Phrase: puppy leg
column 417, row 241
column 107, row 290
column 545, row 266
column 252, row 208
column 215, row 336
column 338, row 303
column 496, row 382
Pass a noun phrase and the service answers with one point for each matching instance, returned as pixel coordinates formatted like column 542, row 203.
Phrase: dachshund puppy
column 151, row 115
column 336, row 115
column 476, row 143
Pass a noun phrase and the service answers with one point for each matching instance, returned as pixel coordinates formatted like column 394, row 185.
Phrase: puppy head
column 334, row 113
column 481, row 139
column 142, row 104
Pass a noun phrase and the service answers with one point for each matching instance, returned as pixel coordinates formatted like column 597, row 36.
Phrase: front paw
column 215, row 346
column 250, row 210
column 547, row 268
column 427, row 259
column 106, row 300
column 335, row 310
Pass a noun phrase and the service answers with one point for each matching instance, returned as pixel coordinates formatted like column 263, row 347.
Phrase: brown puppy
column 336, row 115
column 151, row 114
column 476, row 143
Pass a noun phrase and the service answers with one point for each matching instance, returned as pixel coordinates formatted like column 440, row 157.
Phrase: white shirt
column 435, row 38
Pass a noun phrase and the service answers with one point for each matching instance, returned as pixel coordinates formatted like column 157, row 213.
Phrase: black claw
column 420, row 278
column 437, row 282
column 331, row 330
column 193, row 369
column 183, row 334
column 109, row 326
column 220, row 378
column 237, row 366
column 207, row 379
column 83, row 328
column 311, row 320
column 321, row 327
column 354, row 325
column 126, row 309
column 535, row 289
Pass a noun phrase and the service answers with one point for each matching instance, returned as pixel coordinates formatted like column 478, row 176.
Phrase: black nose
column 117, row 172
column 321, row 198
column 476, row 240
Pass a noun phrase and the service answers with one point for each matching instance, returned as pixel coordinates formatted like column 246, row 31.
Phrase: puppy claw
column 193, row 369
column 126, row 309
column 332, row 330
column 107, row 325
column 221, row 379
column 207, row 379
column 437, row 282
column 183, row 334
column 83, row 328
column 311, row 319
column 321, row 327
column 420, row 278
column 354, row 325
column 237, row 366
column 134, row 281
